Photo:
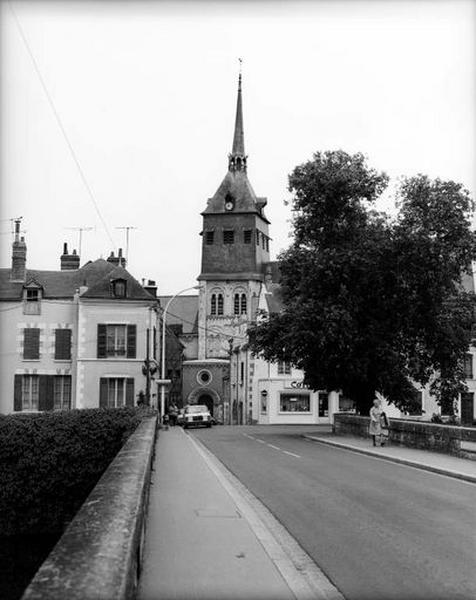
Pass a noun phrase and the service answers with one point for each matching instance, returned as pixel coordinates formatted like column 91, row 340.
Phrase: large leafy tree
column 372, row 303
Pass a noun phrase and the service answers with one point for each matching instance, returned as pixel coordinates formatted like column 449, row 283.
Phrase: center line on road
column 275, row 447
column 260, row 441
column 291, row 454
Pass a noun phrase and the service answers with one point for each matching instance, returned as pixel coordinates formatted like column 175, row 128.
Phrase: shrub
column 50, row 462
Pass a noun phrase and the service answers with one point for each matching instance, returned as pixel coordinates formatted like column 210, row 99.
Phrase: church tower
column 235, row 249
column 235, row 245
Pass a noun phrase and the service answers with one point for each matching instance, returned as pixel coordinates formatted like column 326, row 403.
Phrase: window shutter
column 131, row 341
column 17, row 401
column 31, row 344
column 154, row 343
column 62, row 344
column 46, row 392
column 103, row 392
column 130, row 391
column 102, row 341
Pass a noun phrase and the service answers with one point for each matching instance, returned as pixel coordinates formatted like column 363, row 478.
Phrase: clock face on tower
column 229, row 202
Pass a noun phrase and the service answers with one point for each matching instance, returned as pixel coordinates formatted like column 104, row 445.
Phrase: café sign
column 296, row 385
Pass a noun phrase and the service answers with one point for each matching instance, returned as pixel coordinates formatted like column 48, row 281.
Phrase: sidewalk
column 444, row 464
column 198, row 543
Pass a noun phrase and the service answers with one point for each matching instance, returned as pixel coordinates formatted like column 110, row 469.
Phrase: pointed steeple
column 237, row 158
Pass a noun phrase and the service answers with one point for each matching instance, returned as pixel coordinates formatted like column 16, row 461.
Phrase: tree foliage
column 373, row 303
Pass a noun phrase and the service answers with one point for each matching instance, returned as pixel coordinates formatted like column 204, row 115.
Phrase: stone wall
column 100, row 554
column 450, row 439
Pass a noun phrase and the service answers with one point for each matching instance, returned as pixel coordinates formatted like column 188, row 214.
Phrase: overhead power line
column 61, row 126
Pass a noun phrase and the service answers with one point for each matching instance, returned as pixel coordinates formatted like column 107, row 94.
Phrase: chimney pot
column 65, row 248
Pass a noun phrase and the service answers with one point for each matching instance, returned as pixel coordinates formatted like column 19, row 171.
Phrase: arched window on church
column 243, row 308
column 219, row 304
column 236, row 304
column 213, row 304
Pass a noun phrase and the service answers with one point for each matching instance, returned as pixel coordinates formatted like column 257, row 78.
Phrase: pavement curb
column 304, row 578
column 395, row 459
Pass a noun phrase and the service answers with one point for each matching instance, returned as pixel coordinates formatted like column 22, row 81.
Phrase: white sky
column 146, row 92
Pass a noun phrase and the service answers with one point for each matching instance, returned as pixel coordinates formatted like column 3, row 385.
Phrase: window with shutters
column 62, row 344
column 243, row 304
column 257, row 237
column 219, row 304
column 31, row 343
column 116, row 341
column 209, row 237
column 62, row 392
column 284, row 368
column 228, row 236
column 247, row 236
column 115, row 392
column 31, row 301
column 30, row 392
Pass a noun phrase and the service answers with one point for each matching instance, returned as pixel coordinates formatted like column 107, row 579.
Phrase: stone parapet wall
column 99, row 556
column 448, row 439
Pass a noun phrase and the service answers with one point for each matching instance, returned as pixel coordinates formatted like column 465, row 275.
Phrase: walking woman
column 375, row 427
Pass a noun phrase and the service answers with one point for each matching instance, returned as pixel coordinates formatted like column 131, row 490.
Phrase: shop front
column 291, row 402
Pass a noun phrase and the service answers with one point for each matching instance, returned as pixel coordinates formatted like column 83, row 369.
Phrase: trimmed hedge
column 50, row 462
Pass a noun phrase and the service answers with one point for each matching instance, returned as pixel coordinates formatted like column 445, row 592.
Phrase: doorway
column 207, row 400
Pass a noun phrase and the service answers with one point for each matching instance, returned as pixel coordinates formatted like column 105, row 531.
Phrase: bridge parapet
column 449, row 439
column 99, row 555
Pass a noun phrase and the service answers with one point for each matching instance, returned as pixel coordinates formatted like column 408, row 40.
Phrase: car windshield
column 197, row 409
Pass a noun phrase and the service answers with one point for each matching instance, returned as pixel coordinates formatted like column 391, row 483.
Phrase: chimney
column 18, row 255
column 151, row 287
column 122, row 260
column 69, row 262
column 114, row 260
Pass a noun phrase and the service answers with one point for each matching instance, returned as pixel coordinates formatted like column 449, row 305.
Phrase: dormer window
column 32, row 299
column 119, row 288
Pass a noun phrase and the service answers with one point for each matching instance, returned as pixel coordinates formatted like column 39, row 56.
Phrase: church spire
column 237, row 158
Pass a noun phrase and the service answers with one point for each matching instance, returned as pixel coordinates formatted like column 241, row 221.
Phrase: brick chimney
column 151, row 287
column 69, row 262
column 18, row 255
column 117, row 260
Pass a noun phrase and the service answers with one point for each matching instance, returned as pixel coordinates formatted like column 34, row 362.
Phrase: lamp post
column 162, row 356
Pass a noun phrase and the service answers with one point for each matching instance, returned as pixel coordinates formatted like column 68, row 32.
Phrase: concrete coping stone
column 99, row 554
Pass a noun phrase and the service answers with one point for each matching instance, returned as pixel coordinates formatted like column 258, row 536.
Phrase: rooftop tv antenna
column 80, row 231
column 127, row 228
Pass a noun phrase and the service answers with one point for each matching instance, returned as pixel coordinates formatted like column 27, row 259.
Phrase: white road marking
column 275, row 447
column 249, row 436
column 260, row 441
column 291, row 453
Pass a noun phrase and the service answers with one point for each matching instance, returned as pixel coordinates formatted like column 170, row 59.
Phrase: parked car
column 196, row 415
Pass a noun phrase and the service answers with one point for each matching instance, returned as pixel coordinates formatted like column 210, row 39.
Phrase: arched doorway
column 207, row 400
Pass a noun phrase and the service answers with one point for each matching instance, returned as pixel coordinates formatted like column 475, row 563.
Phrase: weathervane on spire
column 240, row 60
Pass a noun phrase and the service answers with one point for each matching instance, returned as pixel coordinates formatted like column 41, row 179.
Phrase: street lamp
column 162, row 357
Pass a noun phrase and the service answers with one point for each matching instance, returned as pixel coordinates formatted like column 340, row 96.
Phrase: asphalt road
column 379, row 530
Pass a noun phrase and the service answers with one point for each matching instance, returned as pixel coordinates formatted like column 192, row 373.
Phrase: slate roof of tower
column 63, row 284
column 237, row 185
